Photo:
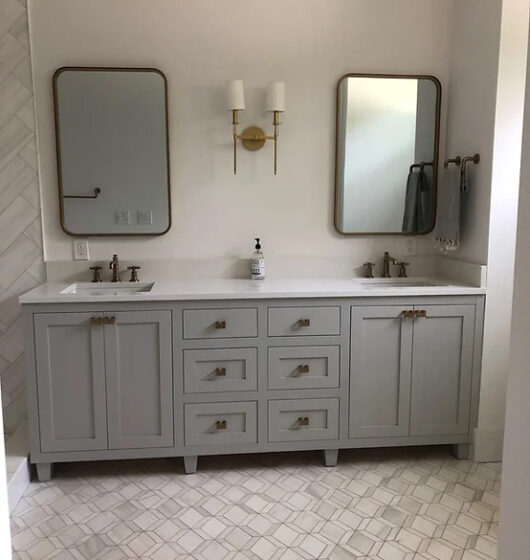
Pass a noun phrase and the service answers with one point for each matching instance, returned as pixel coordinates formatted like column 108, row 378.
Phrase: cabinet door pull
column 109, row 320
column 407, row 314
column 220, row 324
column 303, row 421
column 303, row 368
column 220, row 372
column 220, row 425
column 304, row 322
column 420, row 313
column 96, row 320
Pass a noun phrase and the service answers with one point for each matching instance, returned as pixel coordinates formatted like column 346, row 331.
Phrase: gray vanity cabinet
column 70, row 368
column 380, row 368
column 104, row 381
column 442, row 364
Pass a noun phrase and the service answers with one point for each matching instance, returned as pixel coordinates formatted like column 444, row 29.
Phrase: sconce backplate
column 253, row 138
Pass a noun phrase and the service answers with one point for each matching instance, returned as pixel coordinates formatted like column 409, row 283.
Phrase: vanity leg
column 190, row 464
column 461, row 450
column 331, row 457
column 44, row 471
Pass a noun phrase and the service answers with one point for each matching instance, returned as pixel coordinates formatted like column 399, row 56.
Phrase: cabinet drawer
column 220, row 370
column 220, row 323
column 220, row 423
column 303, row 419
column 304, row 367
column 304, row 321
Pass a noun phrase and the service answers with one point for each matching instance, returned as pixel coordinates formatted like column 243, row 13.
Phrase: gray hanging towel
column 418, row 203
column 448, row 228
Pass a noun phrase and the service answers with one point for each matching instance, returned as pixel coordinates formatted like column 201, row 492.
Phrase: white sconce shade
column 276, row 97
column 235, row 96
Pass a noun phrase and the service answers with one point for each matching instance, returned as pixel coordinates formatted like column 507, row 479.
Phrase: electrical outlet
column 122, row 217
column 80, row 250
column 145, row 217
column 410, row 246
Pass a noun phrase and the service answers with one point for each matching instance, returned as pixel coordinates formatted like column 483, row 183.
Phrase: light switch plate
column 145, row 217
column 122, row 217
column 410, row 246
column 80, row 250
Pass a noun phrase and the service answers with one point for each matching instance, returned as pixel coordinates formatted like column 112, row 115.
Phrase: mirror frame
column 56, row 75
column 438, row 85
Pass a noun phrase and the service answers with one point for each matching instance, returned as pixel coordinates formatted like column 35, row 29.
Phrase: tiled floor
column 413, row 504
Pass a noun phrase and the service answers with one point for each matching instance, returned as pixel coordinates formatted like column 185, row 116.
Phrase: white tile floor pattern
column 397, row 504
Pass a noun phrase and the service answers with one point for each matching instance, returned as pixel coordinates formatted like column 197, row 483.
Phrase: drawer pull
column 407, row 314
column 304, row 322
column 303, row 421
column 109, row 320
column 303, row 368
column 220, row 372
column 420, row 313
column 220, row 425
column 96, row 320
column 220, row 324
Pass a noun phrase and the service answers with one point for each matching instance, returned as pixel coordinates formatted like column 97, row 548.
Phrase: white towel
column 448, row 222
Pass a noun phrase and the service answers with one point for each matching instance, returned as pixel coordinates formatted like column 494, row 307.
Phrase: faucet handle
column 402, row 269
column 96, row 277
column 134, row 274
column 369, row 266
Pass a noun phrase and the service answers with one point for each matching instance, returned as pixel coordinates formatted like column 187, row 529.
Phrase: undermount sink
column 107, row 288
column 378, row 283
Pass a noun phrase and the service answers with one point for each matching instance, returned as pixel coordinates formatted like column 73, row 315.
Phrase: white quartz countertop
column 226, row 289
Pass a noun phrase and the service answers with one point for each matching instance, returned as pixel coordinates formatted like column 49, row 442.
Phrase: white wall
column 515, row 497
column 308, row 43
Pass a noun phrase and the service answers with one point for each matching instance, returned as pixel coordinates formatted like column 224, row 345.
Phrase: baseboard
column 487, row 445
column 18, row 474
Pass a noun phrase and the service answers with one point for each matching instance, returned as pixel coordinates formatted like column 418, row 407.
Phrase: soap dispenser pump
column 257, row 266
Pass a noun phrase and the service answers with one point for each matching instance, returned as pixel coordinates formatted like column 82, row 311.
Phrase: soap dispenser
column 257, row 265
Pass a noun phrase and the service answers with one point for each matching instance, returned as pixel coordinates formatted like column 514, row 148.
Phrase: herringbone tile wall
column 21, row 262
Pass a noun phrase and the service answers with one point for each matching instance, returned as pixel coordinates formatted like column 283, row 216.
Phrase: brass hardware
column 304, row 322
column 220, row 372
column 420, row 165
column 387, row 259
column 254, row 137
column 97, row 191
column 456, row 160
column 96, row 320
column 303, row 368
column 109, row 320
column 56, row 77
column 463, row 172
column 220, row 425
column 220, row 324
column 96, row 276
column 114, row 265
column 338, row 131
column 402, row 269
column 369, row 266
column 420, row 313
column 303, row 421
column 134, row 274
column 409, row 314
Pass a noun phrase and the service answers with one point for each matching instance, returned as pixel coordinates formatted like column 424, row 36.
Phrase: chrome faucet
column 114, row 265
column 387, row 259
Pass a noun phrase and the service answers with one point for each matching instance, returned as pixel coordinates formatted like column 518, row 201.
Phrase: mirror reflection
column 112, row 151
column 387, row 152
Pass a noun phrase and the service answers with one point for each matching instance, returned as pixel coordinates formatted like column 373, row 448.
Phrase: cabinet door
column 70, row 382
column 442, row 367
column 381, row 343
column 138, row 360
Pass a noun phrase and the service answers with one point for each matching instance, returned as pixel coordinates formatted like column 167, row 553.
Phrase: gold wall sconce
column 254, row 137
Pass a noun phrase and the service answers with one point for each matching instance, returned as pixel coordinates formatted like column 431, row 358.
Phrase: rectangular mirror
column 112, row 151
column 387, row 154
